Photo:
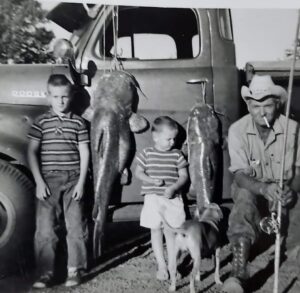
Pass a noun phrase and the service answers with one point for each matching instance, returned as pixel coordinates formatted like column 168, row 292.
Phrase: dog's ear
column 216, row 210
column 220, row 213
column 197, row 214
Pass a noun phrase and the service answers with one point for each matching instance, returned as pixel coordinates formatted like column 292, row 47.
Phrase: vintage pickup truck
column 168, row 50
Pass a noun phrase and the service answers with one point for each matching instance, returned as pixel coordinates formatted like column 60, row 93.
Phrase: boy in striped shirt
column 58, row 155
column 163, row 171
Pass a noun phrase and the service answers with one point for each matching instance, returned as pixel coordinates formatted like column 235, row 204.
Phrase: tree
column 23, row 37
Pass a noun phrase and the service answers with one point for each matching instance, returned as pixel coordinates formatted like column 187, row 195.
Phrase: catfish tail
column 105, row 154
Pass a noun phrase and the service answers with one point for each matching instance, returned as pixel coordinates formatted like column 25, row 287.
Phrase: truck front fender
column 13, row 149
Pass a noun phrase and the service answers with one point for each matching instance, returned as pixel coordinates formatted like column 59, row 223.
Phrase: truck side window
column 152, row 33
column 225, row 24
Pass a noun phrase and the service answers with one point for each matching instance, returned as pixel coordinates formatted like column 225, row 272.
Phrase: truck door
column 163, row 48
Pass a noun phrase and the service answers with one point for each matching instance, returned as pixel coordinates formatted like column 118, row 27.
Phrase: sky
column 263, row 34
column 259, row 34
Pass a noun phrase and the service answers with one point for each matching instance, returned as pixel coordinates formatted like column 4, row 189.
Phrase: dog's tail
column 210, row 218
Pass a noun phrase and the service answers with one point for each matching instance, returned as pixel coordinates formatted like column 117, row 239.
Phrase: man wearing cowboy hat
column 255, row 146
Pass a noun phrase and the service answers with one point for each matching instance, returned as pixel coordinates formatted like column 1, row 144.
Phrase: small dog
column 194, row 236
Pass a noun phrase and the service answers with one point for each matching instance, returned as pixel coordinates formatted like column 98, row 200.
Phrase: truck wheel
column 16, row 218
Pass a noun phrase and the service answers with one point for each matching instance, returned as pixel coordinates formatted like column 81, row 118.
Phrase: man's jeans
column 244, row 217
column 61, row 185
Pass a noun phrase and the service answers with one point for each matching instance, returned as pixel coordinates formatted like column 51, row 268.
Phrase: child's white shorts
column 172, row 209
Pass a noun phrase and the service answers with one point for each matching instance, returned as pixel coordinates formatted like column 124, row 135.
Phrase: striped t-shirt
column 59, row 137
column 160, row 165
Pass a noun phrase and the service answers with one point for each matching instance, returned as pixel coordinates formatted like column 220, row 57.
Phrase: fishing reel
column 270, row 225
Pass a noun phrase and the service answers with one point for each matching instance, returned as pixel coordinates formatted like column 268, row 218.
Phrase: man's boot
column 239, row 273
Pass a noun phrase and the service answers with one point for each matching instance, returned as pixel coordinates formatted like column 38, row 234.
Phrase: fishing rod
column 279, row 206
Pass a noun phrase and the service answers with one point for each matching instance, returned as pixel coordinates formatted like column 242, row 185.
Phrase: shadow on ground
column 128, row 265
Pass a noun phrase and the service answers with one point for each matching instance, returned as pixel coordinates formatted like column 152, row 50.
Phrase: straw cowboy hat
column 262, row 86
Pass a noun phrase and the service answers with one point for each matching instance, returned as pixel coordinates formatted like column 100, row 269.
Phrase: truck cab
column 168, row 50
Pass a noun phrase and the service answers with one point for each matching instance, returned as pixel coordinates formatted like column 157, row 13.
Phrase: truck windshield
column 152, row 33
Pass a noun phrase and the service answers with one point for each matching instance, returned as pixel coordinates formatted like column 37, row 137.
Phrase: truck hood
column 70, row 16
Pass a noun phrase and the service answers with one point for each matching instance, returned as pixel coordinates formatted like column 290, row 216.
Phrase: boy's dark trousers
column 61, row 185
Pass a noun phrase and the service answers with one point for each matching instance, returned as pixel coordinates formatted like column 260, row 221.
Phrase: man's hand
column 42, row 190
column 287, row 195
column 78, row 192
column 273, row 192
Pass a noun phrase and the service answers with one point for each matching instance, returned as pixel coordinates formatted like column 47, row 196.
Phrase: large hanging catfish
column 203, row 152
column 113, row 120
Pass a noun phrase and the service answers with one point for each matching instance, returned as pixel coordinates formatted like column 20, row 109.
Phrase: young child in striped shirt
column 163, row 170
column 58, row 155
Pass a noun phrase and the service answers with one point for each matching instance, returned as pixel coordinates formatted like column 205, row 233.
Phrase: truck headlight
column 63, row 51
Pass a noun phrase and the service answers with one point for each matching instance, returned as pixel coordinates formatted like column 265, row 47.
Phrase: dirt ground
column 128, row 266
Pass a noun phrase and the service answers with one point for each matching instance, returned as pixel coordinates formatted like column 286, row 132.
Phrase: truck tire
column 16, row 218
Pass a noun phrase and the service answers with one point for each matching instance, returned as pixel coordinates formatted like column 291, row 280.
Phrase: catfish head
column 117, row 91
column 203, row 125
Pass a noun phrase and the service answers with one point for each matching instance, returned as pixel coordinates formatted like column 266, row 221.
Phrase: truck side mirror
column 63, row 53
column 78, row 78
column 83, row 78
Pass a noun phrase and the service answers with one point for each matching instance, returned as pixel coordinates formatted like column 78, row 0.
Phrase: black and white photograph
column 149, row 146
